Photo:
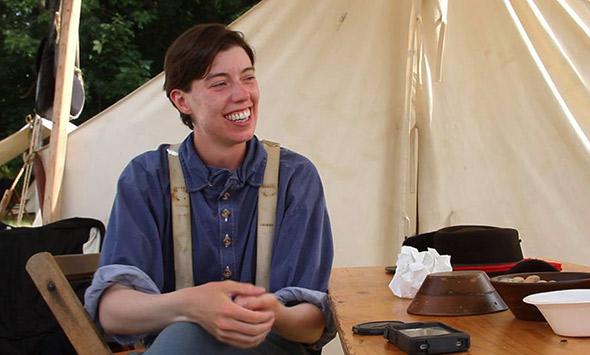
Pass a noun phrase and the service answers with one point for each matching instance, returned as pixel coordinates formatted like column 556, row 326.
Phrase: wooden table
column 361, row 294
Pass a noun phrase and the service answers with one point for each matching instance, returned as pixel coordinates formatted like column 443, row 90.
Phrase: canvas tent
column 15, row 144
column 501, row 139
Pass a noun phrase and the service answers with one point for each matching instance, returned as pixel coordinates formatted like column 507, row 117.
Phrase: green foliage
column 122, row 45
column 112, row 51
column 21, row 27
column 6, row 172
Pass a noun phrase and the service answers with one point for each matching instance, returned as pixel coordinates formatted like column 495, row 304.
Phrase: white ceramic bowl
column 566, row 311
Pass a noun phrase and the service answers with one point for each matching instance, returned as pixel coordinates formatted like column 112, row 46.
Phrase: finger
column 266, row 302
column 238, row 339
column 247, row 329
column 242, row 314
column 241, row 339
column 239, row 288
column 233, row 339
column 244, row 301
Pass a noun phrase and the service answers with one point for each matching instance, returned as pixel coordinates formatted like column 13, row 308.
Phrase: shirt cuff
column 107, row 276
column 317, row 298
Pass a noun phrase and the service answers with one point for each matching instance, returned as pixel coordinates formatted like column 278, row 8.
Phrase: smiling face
column 224, row 104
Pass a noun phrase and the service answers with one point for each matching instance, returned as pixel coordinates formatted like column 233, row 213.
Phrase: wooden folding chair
column 52, row 276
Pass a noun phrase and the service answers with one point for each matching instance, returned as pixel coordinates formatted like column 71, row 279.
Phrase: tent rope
column 28, row 156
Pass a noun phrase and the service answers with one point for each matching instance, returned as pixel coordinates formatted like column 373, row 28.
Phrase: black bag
column 27, row 326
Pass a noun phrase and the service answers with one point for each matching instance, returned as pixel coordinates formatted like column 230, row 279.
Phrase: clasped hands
column 235, row 313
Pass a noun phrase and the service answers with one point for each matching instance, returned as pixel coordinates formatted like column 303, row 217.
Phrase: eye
column 218, row 84
column 249, row 78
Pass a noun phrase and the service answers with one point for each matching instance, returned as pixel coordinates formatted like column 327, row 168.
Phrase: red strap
column 501, row 267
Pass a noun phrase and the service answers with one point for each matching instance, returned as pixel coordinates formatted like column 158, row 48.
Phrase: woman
column 211, row 80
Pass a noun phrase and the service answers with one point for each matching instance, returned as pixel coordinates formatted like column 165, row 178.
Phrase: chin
column 245, row 138
column 239, row 137
column 241, row 134
column 248, row 133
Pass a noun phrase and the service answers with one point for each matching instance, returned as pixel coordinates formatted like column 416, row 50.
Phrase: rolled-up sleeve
column 107, row 276
column 317, row 298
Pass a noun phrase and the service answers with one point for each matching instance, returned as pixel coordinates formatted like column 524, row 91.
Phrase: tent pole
column 68, row 39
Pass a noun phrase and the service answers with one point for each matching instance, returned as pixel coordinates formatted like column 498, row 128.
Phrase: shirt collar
column 197, row 174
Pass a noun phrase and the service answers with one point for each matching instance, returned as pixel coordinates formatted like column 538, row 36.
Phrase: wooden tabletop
column 361, row 294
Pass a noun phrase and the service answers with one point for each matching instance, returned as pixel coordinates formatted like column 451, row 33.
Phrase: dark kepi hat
column 478, row 244
column 456, row 293
column 492, row 249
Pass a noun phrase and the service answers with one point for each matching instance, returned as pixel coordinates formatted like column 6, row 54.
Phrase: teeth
column 239, row 116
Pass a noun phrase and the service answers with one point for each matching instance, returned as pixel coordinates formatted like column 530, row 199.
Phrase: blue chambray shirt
column 224, row 226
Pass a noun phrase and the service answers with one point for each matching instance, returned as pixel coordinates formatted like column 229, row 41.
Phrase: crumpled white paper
column 413, row 266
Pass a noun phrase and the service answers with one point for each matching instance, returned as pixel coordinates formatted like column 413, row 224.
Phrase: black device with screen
column 427, row 338
column 373, row 328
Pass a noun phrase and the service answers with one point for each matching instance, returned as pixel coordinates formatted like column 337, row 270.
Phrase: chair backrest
column 52, row 276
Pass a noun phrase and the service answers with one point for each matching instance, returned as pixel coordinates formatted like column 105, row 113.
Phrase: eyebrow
column 216, row 75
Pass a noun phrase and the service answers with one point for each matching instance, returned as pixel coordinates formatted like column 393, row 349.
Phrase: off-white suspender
column 181, row 222
column 267, row 212
column 181, row 218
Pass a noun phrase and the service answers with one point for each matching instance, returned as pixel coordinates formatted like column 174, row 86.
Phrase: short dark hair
column 190, row 56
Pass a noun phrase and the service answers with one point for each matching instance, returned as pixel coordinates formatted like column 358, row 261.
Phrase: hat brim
column 524, row 265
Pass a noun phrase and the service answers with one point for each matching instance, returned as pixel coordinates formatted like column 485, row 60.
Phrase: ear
column 180, row 100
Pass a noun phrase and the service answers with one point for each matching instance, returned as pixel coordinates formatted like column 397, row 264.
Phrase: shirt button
column 225, row 196
column 227, row 241
column 225, row 213
column 227, row 273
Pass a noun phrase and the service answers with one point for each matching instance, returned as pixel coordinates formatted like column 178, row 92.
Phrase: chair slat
column 78, row 266
column 63, row 302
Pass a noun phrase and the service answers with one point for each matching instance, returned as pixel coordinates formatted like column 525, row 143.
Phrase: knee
column 183, row 338
column 185, row 329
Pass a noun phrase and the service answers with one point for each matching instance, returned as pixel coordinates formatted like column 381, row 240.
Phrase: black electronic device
column 427, row 338
column 373, row 328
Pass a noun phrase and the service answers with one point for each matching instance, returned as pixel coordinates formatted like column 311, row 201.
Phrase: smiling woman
column 223, row 107
column 183, row 65
column 211, row 80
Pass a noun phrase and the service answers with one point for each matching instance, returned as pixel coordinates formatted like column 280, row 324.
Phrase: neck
column 218, row 155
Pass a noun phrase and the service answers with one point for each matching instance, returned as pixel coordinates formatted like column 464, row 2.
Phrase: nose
column 240, row 92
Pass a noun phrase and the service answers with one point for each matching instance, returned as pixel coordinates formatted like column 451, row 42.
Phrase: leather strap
column 181, row 222
column 267, row 208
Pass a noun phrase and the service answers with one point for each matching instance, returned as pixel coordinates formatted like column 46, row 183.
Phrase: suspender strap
column 181, row 218
column 181, row 222
column 267, row 207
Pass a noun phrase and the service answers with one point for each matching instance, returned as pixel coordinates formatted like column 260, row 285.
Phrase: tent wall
column 333, row 81
column 13, row 145
column 500, row 148
column 341, row 84
column 19, row 142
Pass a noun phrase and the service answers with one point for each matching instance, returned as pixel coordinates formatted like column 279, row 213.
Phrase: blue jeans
column 190, row 338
